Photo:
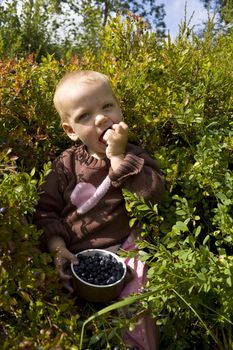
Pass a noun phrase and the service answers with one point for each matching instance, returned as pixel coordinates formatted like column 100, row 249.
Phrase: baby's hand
column 116, row 139
column 62, row 257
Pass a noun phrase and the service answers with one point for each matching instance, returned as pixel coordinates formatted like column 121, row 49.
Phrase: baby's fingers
column 124, row 125
column 121, row 127
column 66, row 254
column 63, row 256
column 63, row 276
column 68, row 287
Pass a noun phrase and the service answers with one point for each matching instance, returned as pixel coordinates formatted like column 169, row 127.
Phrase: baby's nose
column 101, row 119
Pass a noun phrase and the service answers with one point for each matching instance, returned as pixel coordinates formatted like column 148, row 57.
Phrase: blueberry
column 2, row 210
column 111, row 280
column 98, row 269
column 118, row 276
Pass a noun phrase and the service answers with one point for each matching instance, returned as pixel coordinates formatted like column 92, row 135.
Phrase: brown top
column 107, row 223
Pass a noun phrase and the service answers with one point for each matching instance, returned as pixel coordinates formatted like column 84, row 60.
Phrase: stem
column 200, row 319
column 117, row 305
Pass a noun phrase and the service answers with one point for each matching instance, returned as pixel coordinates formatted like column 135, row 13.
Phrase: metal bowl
column 93, row 292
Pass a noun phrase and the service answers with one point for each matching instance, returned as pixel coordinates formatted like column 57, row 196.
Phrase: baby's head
column 71, row 82
column 88, row 107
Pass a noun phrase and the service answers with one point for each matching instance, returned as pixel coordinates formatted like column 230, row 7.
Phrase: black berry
column 98, row 269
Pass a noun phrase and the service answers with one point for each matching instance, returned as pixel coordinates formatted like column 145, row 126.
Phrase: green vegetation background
column 177, row 100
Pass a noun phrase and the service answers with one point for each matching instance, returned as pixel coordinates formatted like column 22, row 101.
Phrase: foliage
column 25, row 27
column 216, row 4
column 95, row 15
column 65, row 27
column 192, row 285
column 27, row 112
column 30, row 309
column 223, row 12
column 177, row 99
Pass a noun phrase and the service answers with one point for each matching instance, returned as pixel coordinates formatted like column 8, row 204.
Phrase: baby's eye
column 108, row 105
column 84, row 116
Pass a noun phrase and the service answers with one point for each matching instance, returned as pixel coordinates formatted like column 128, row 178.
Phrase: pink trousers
column 145, row 334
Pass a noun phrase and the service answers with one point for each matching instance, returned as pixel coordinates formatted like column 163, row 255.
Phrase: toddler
column 81, row 205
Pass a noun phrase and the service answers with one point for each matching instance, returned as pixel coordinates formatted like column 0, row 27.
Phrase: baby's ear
column 69, row 131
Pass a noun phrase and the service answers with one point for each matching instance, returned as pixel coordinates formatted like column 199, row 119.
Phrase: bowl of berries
column 99, row 275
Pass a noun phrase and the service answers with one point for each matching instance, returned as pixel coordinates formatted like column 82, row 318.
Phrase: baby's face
column 92, row 110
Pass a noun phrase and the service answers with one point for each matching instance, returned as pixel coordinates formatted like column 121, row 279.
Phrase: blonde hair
column 87, row 76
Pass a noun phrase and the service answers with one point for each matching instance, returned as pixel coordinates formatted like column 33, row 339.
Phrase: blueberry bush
column 177, row 99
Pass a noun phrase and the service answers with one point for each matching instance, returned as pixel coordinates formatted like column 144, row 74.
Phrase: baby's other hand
column 62, row 257
column 116, row 139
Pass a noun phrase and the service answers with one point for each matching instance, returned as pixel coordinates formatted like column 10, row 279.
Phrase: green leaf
column 207, row 237
column 120, row 304
column 201, row 276
column 197, row 231
column 180, row 226
column 94, row 339
column 32, row 173
column 132, row 222
column 223, row 198
column 144, row 256
column 180, row 212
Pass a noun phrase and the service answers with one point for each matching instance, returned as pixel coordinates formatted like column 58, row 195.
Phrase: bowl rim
column 101, row 285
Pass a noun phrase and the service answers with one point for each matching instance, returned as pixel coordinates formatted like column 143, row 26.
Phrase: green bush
column 177, row 100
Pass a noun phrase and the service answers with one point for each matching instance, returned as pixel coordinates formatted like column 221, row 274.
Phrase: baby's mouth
column 101, row 138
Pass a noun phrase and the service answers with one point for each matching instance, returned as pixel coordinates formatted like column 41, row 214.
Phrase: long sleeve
column 75, row 177
column 50, row 207
column 139, row 174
